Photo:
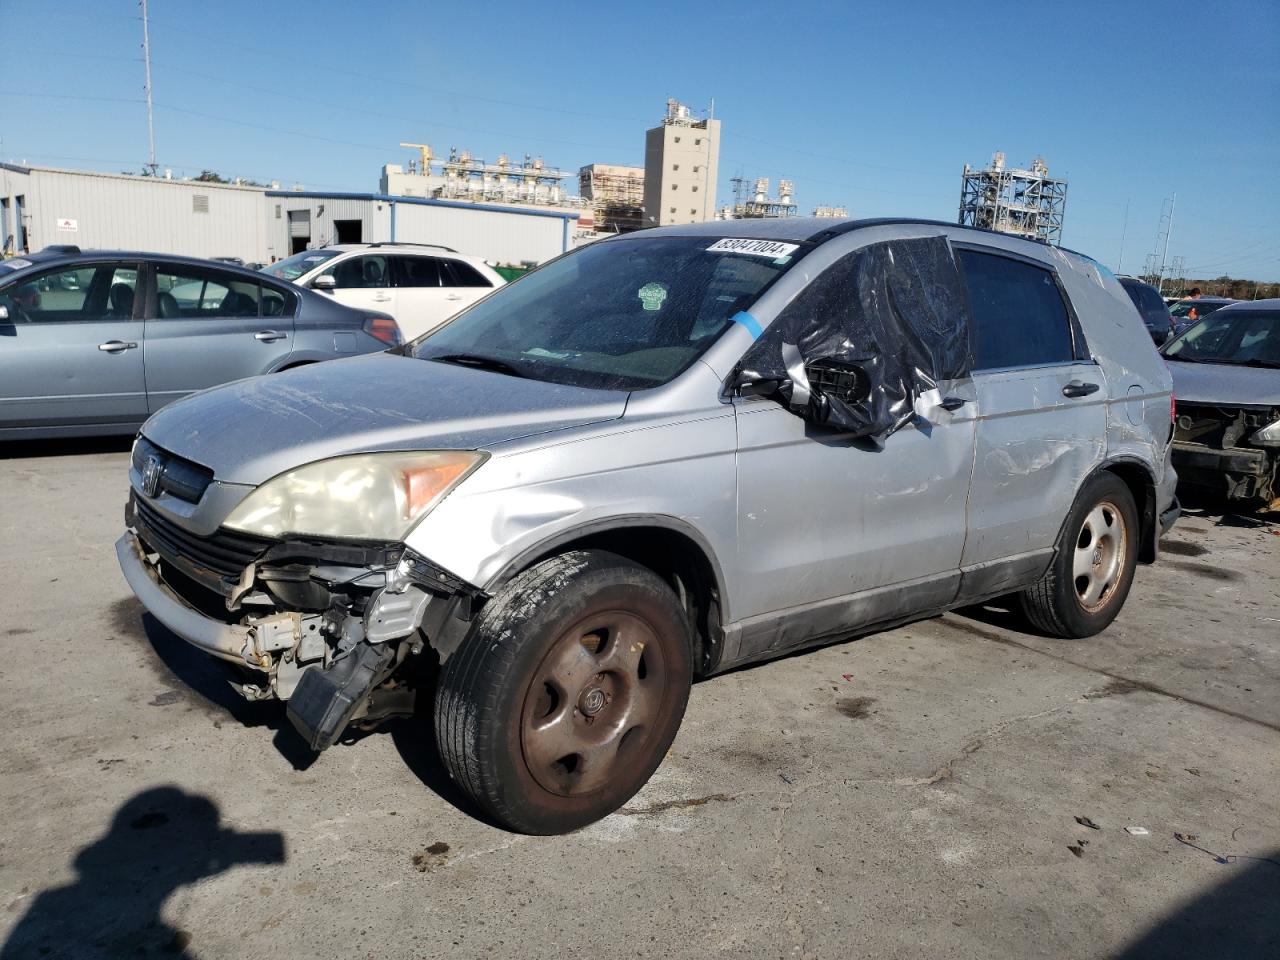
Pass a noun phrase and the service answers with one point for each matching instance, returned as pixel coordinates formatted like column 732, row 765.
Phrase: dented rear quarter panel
column 1140, row 385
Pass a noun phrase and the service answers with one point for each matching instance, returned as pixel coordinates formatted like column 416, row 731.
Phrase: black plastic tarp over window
column 894, row 311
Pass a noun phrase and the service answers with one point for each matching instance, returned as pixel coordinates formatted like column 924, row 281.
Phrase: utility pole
column 1123, row 230
column 146, row 58
column 1164, row 253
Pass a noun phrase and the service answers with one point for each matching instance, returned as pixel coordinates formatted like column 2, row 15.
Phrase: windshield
column 617, row 315
column 1246, row 337
column 291, row 268
column 1185, row 308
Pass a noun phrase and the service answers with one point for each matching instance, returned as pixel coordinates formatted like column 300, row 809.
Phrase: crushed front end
column 1229, row 450
column 328, row 627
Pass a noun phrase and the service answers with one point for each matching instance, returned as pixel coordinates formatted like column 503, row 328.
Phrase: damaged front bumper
column 325, row 627
column 1239, row 473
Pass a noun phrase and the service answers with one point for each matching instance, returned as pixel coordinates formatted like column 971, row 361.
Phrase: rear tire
column 567, row 692
column 1092, row 569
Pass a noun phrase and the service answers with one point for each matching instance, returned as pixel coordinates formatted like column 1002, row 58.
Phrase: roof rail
column 403, row 243
column 70, row 248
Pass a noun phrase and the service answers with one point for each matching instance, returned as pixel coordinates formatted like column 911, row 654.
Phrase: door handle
column 116, row 346
column 951, row 404
column 1078, row 388
column 269, row 336
column 381, row 298
column 454, row 296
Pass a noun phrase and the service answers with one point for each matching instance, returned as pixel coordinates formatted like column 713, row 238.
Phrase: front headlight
column 369, row 496
column 1268, row 436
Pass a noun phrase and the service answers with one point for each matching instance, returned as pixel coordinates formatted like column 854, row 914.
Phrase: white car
column 420, row 285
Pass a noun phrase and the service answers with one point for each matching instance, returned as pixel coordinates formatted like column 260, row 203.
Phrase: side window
column 75, row 294
column 459, row 274
column 277, row 302
column 1019, row 317
column 192, row 293
column 417, row 271
column 364, row 272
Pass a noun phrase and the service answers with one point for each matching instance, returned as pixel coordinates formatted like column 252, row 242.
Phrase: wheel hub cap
column 592, row 701
column 1100, row 553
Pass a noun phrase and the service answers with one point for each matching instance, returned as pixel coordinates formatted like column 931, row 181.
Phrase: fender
column 607, row 525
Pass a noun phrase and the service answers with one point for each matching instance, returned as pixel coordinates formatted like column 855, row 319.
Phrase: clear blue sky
column 875, row 106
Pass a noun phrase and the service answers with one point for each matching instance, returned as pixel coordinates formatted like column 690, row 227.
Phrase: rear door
column 463, row 283
column 70, row 352
column 1042, row 416
column 422, row 302
column 204, row 328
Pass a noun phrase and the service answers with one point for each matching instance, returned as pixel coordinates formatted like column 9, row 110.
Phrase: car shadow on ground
column 1235, row 919
column 201, row 676
column 160, row 840
column 64, row 447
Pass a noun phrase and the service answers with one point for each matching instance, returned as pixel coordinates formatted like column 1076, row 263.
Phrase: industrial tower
column 1025, row 203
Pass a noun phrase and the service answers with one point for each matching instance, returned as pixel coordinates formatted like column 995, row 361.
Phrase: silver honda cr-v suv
column 655, row 458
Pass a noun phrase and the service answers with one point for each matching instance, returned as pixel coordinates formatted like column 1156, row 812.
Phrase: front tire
column 1092, row 569
column 567, row 692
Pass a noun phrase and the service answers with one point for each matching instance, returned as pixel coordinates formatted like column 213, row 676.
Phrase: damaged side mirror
column 749, row 385
column 850, row 383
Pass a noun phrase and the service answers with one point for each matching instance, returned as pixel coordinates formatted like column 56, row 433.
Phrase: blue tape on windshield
column 748, row 321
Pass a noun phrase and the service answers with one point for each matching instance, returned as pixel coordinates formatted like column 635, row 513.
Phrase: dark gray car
column 1226, row 376
column 95, row 342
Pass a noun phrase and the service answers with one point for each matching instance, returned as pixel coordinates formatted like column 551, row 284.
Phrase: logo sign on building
column 69, row 225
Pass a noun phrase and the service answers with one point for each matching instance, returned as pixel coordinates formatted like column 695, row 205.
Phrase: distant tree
column 210, row 176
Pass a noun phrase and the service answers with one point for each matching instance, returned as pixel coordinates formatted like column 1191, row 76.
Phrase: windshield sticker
column 652, row 295
column 320, row 259
column 755, row 248
column 17, row 264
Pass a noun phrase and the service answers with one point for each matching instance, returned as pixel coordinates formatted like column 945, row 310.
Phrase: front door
column 71, row 349
column 204, row 328
column 1042, row 418
column 364, row 282
column 835, row 533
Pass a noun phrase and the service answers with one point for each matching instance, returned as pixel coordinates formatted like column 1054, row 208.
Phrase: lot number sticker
column 755, row 248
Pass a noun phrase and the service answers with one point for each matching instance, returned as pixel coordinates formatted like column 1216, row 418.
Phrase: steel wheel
column 592, row 702
column 1099, row 559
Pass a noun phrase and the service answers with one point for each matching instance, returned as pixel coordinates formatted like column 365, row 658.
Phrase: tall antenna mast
column 146, row 59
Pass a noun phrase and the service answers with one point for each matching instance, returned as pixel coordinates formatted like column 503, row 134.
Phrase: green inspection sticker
column 652, row 295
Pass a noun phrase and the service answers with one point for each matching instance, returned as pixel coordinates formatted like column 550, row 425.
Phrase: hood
column 252, row 430
column 1224, row 384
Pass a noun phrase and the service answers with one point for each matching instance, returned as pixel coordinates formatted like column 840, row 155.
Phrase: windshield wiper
column 480, row 363
column 1251, row 362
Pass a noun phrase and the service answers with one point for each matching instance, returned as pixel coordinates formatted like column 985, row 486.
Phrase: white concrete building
column 41, row 206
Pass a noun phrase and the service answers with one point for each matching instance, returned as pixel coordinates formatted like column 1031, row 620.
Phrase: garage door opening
column 349, row 231
column 299, row 230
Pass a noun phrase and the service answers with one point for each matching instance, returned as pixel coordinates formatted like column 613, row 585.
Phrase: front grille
column 215, row 561
column 181, row 478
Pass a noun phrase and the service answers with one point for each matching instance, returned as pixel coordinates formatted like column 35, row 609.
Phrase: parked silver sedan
column 94, row 342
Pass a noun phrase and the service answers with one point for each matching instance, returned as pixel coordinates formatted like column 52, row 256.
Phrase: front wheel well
column 679, row 560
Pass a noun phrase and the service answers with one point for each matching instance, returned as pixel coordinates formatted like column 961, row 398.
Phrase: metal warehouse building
column 40, row 206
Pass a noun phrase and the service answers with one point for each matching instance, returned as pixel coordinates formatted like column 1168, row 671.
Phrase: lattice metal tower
column 1026, row 203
